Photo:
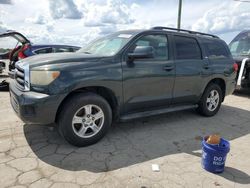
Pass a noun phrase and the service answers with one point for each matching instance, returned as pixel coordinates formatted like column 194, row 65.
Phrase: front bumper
column 33, row 107
column 11, row 74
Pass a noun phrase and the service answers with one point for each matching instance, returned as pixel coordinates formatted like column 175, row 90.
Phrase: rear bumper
column 33, row 107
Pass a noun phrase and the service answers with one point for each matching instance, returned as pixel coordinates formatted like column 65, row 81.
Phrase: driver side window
column 158, row 42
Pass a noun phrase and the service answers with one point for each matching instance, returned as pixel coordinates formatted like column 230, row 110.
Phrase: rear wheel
column 85, row 119
column 211, row 100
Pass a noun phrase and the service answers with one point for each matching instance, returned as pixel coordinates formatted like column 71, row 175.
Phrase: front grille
column 20, row 77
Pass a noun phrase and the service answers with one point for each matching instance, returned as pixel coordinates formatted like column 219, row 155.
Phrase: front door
column 148, row 82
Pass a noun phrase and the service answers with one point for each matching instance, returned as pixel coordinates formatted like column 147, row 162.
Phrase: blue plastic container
column 214, row 156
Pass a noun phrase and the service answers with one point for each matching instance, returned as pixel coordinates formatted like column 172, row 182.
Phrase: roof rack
column 183, row 30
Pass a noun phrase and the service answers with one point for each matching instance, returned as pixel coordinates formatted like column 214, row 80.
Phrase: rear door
column 219, row 56
column 191, row 70
column 148, row 82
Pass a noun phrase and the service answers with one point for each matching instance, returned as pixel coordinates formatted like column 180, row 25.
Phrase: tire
column 4, row 86
column 204, row 107
column 78, row 120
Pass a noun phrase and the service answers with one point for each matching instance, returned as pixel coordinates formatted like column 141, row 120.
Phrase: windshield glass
column 107, row 46
column 240, row 46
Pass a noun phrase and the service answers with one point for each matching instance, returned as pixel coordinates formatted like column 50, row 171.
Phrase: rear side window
column 216, row 50
column 43, row 51
column 187, row 48
column 65, row 49
column 61, row 49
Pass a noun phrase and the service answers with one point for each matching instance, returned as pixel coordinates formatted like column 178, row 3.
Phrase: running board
column 156, row 112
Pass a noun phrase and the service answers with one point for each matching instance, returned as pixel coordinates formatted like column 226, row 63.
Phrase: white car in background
column 240, row 49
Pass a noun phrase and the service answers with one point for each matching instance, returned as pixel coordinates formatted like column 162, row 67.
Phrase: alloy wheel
column 88, row 121
column 213, row 100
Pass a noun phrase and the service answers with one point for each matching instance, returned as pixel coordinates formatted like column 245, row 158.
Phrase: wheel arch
column 221, row 82
column 104, row 92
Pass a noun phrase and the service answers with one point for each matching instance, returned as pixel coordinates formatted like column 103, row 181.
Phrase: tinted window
column 62, row 49
column 216, row 50
column 158, row 42
column 43, row 51
column 187, row 48
column 75, row 49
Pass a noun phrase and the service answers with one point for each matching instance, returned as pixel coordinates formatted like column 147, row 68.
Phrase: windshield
column 107, row 46
column 240, row 46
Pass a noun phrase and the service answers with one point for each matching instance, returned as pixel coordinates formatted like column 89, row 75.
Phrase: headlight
column 43, row 77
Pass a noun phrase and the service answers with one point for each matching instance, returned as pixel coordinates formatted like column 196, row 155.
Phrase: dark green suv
column 123, row 76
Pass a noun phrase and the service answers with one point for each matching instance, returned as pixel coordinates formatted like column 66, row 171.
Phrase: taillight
column 21, row 54
column 235, row 67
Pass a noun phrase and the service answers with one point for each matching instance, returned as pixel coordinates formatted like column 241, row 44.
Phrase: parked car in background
column 4, row 56
column 15, row 46
column 240, row 49
column 123, row 76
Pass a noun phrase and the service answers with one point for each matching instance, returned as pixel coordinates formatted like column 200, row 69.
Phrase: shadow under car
column 139, row 141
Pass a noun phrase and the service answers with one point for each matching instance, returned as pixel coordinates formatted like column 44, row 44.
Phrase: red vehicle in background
column 15, row 46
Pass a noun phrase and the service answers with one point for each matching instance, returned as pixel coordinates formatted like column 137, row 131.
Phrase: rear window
column 187, row 48
column 216, row 50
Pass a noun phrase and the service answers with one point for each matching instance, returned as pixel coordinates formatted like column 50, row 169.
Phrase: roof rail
column 183, row 30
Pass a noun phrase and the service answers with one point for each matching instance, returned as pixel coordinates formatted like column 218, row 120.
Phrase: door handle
column 168, row 67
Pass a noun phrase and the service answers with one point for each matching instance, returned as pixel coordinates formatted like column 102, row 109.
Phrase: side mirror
column 142, row 52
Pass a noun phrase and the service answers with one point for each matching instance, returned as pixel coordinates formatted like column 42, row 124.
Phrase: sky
column 77, row 22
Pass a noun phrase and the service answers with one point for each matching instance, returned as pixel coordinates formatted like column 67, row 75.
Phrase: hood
column 16, row 35
column 58, row 58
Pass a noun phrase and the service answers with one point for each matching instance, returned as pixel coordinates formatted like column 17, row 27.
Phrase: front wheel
column 85, row 119
column 210, row 101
